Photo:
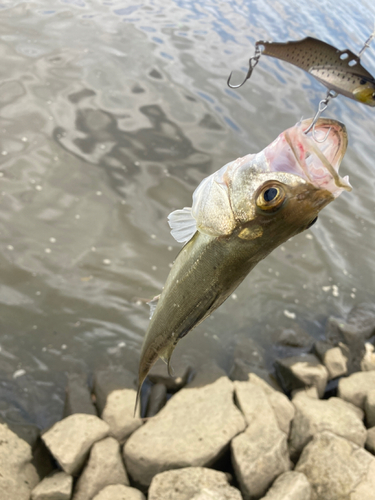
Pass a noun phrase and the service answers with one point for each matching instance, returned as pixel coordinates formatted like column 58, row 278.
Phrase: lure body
column 339, row 70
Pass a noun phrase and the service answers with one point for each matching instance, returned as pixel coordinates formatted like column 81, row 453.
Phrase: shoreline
column 310, row 433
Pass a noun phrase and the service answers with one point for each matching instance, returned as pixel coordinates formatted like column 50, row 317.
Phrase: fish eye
column 270, row 194
column 270, row 198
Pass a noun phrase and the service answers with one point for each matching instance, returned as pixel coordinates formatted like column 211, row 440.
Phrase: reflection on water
column 110, row 115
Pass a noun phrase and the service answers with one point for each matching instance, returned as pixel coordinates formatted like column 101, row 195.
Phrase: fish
column 240, row 214
column 339, row 70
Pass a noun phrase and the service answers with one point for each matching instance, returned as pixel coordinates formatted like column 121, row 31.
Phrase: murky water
column 111, row 113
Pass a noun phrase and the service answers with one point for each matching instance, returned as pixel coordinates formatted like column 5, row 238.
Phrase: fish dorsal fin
column 153, row 303
column 183, row 225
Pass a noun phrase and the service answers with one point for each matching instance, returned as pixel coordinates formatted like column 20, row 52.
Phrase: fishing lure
column 340, row 71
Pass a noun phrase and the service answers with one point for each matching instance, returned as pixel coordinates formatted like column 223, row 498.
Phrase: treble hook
column 323, row 105
column 253, row 61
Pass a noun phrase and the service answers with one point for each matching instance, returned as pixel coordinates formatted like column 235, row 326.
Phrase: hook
column 331, row 94
column 253, row 61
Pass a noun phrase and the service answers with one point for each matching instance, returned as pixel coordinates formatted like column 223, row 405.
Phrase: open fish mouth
column 316, row 162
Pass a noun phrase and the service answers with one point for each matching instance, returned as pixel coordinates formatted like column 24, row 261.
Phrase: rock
column 370, row 408
column 78, row 396
column 41, row 457
column 57, row 486
column 159, row 375
column 290, row 486
column 208, row 373
column 368, row 360
column 192, row 482
column 309, row 392
column 315, row 415
column 119, row 492
column 119, row 414
column 294, row 337
column 250, row 351
column 70, row 440
column 262, row 443
column 283, row 408
column 360, row 322
column 17, row 475
column 157, row 399
column 332, row 358
column 337, row 469
column 109, row 380
column 115, row 392
column 301, row 371
column 370, row 440
column 356, row 387
column 104, row 467
column 359, row 327
column 193, row 429
column 240, row 370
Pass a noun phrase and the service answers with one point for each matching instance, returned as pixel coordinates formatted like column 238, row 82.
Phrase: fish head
column 285, row 186
column 365, row 92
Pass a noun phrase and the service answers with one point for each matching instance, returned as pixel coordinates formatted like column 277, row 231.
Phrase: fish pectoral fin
column 153, row 303
column 183, row 225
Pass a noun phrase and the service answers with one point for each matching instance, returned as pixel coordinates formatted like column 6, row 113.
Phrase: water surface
column 111, row 113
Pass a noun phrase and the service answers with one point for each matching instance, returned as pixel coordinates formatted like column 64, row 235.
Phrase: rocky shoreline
column 308, row 435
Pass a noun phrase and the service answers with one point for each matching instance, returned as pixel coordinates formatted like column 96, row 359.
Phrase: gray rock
column 109, row 380
column 240, row 370
column 262, row 443
column 192, row 429
column 17, row 475
column 104, row 467
column 370, row 408
column 208, row 373
column 315, row 415
column 157, row 399
column 41, row 457
column 332, row 358
column 57, row 486
column 119, row 414
column 70, row 440
column 253, row 402
column 190, row 483
column 360, row 322
column 368, row 360
column 370, row 440
column 291, row 485
column 294, row 337
column 250, row 351
column 159, row 375
column 359, row 327
column 283, row 408
column 301, row 371
column 356, row 387
column 309, row 392
column 258, row 459
column 115, row 392
column 337, row 469
column 78, row 396
column 119, row 492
